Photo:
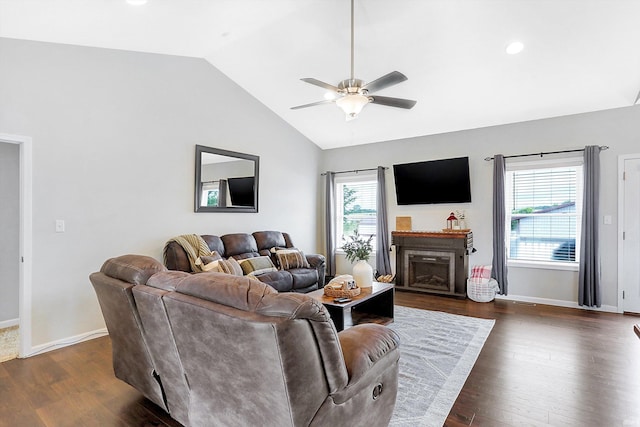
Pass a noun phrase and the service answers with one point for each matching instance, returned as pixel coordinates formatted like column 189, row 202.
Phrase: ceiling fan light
column 352, row 104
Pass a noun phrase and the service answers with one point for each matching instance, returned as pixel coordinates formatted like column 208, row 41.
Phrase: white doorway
column 23, row 257
column 629, row 233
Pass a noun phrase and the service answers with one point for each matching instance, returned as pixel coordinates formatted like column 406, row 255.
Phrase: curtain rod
column 544, row 153
column 355, row 171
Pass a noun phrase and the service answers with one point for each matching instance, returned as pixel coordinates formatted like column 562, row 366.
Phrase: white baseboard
column 9, row 323
column 556, row 302
column 54, row 345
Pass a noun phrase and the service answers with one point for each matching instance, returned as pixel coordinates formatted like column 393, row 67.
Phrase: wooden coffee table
column 373, row 305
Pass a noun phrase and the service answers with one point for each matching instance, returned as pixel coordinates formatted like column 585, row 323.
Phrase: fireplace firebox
column 432, row 262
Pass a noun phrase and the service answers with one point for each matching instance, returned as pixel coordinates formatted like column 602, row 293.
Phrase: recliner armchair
column 227, row 350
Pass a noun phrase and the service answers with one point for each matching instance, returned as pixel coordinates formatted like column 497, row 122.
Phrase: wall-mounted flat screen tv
column 433, row 181
column 241, row 191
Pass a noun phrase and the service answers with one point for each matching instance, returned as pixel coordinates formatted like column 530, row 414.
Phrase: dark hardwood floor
column 540, row 366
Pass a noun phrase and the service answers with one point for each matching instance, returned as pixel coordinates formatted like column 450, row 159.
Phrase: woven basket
column 481, row 291
column 330, row 291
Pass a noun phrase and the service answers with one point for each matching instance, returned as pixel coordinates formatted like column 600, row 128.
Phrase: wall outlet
column 607, row 219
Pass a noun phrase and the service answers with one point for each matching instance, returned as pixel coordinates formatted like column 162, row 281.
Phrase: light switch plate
column 59, row 225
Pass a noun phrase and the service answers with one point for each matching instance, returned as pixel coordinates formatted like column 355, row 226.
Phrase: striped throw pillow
column 257, row 265
column 481, row 273
column 291, row 258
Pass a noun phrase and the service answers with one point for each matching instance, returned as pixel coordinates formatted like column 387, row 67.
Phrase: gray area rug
column 437, row 352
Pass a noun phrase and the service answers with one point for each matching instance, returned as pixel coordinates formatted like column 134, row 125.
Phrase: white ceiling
column 579, row 55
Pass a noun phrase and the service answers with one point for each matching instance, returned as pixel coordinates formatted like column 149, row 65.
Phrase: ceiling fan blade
column 327, row 101
column 393, row 78
column 392, row 102
column 319, row 83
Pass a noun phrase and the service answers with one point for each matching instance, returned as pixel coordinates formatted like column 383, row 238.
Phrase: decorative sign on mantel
column 403, row 223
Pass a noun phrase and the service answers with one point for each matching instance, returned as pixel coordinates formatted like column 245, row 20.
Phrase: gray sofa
column 213, row 349
column 259, row 243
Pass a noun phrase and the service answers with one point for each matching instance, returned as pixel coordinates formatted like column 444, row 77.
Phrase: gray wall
column 616, row 128
column 114, row 137
column 9, row 230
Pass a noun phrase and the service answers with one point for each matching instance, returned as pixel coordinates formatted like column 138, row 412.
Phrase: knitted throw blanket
column 194, row 246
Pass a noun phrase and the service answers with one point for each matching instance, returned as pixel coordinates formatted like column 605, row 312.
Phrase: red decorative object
column 452, row 222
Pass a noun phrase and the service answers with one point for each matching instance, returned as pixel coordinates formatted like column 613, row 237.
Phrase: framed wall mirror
column 226, row 181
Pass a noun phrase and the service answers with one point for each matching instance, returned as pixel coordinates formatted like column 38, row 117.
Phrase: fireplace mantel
column 434, row 234
column 448, row 252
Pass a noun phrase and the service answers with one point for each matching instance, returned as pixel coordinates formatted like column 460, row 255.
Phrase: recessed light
column 137, row 2
column 514, row 48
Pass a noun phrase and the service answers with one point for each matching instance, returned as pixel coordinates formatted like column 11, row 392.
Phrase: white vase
column 363, row 274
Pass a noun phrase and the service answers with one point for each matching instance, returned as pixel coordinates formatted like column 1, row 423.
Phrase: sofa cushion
column 269, row 239
column 291, row 258
column 215, row 244
column 303, row 277
column 167, row 280
column 257, row 265
column 243, row 293
column 239, row 244
column 280, row 280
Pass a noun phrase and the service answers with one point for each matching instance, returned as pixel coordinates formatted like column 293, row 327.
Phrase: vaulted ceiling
column 579, row 55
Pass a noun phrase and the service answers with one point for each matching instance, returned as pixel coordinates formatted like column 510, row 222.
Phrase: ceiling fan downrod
column 352, row 44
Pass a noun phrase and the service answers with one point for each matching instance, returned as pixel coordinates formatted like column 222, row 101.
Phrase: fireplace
column 434, row 262
column 430, row 269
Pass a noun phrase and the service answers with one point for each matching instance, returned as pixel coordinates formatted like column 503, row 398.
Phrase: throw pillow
column 210, row 262
column 275, row 249
column 291, row 258
column 481, row 273
column 257, row 265
column 230, row 266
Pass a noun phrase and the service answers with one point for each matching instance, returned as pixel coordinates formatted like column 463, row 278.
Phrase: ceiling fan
column 352, row 94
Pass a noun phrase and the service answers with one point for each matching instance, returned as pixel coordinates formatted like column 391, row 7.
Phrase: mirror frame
column 200, row 149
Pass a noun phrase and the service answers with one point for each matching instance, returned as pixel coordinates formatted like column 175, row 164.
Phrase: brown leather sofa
column 260, row 243
column 214, row 349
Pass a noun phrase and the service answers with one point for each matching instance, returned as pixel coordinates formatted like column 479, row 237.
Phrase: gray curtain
column 589, row 273
column 222, row 193
column 383, row 263
column 499, row 264
column 330, row 226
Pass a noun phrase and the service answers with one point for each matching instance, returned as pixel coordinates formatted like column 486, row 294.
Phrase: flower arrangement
column 357, row 247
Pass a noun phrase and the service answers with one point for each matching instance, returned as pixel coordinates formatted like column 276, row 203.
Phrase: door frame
column 621, row 159
column 26, row 239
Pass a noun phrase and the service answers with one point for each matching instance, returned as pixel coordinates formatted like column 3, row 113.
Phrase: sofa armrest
column 317, row 261
column 364, row 345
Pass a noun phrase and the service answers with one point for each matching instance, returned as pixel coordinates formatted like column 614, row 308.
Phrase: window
column 210, row 193
column 544, row 210
column 356, row 206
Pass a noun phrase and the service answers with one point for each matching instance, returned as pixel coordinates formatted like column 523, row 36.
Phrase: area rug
column 8, row 343
column 437, row 352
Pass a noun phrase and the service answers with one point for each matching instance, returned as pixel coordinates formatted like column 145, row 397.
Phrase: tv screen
column 241, row 191
column 434, row 181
